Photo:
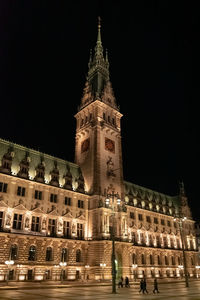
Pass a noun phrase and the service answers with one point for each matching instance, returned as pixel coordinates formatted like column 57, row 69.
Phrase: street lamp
column 9, row 263
column 102, row 265
column 134, row 266
column 112, row 196
column 180, row 221
column 197, row 268
column 86, row 268
column 62, row 264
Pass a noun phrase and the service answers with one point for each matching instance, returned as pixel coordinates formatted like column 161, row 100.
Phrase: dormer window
column 54, row 175
column 24, row 168
column 7, row 162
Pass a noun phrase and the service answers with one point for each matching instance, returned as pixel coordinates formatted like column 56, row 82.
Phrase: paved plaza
column 168, row 291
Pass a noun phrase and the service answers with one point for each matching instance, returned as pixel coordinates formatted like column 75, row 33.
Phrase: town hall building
column 58, row 219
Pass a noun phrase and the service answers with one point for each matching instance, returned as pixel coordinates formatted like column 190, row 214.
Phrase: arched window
column 134, row 259
column 151, row 259
column 159, row 260
column 78, row 255
column 166, row 260
column 13, row 252
column 64, row 255
column 142, row 259
column 32, row 253
column 192, row 261
column 173, row 261
column 49, row 254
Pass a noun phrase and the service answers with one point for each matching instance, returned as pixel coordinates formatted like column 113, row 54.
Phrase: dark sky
column 153, row 52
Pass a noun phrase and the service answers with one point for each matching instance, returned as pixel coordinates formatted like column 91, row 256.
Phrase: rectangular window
column 17, row 221
column 162, row 222
column 132, row 216
column 1, row 220
column 38, row 195
column 175, row 225
column 155, row 220
column 67, row 201
column 3, row 187
column 148, row 219
column 80, row 204
column 79, row 230
column 169, row 223
column 52, row 227
column 104, row 116
column 21, row 191
column 53, row 198
column 35, row 224
column 140, row 217
column 66, row 228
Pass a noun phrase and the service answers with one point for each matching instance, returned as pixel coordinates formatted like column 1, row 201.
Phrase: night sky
column 154, row 69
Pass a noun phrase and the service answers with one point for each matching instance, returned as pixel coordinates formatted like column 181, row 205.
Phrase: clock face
column 109, row 145
column 85, row 145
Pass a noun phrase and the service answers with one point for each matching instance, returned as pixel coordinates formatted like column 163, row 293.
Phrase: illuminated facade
column 56, row 216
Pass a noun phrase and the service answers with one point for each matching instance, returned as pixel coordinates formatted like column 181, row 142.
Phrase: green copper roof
column 148, row 194
column 20, row 152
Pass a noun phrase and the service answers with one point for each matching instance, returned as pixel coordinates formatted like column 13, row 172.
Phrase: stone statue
column 27, row 222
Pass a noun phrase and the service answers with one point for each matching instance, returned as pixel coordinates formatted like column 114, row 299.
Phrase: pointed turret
column 98, row 85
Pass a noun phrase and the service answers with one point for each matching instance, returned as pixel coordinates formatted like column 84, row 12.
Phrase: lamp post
column 102, row 265
column 197, row 273
column 86, row 268
column 8, row 263
column 134, row 266
column 112, row 196
column 180, row 221
column 62, row 264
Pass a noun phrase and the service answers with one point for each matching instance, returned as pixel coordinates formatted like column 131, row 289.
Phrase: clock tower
column 98, row 132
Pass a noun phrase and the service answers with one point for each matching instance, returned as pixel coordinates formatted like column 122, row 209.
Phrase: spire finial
column 99, row 22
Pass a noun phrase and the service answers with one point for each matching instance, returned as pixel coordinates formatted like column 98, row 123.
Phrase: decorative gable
column 2, row 203
column 20, row 207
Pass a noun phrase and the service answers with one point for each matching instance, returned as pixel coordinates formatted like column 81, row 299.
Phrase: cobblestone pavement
column 168, row 291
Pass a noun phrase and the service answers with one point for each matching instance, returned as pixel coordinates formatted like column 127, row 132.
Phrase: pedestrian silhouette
column 141, row 285
column 155, row 286
column 120, row 282
column 127, row 282
column 144, row 287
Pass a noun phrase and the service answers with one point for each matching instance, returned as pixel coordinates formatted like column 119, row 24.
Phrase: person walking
column 120, row 282
column 127, row 282
column 145, row 287
column 141, row 285
column 155, row 286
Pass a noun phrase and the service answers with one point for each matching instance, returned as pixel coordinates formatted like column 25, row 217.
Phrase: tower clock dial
column 109, row 145
column 85, row 145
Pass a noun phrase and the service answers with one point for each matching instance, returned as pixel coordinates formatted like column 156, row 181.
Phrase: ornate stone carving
column 68, row 179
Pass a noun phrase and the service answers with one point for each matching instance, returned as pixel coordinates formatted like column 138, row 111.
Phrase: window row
column 158, row 260
column 36, row 224
column 49, row 255
column 154, row 220
column 38, row 195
